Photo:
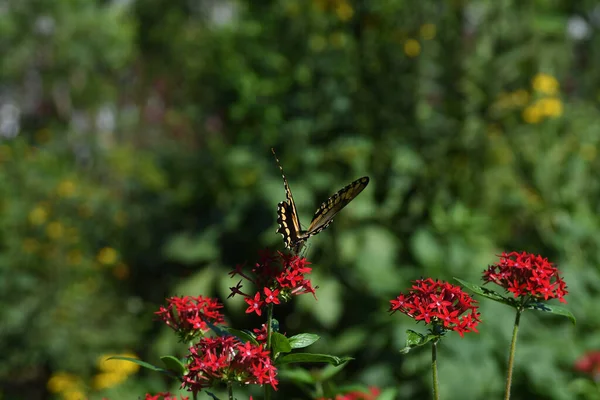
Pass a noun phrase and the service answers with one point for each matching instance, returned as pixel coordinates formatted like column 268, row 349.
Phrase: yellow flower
column 66, row 188
column 344, row 11
column 519, row 97
column 532, row 114
column 107, row 256
column 55, row 230
column 38, row 215
column 546, row 84
column 62, row 382
column 74, row 257
column 551, row 107
column 412, row 48
column 427, row 31
column 30, row 245
column 114, row 371
column 74, row 395
column 106, row 380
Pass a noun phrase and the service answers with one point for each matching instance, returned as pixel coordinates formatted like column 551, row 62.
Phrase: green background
column 135, row 164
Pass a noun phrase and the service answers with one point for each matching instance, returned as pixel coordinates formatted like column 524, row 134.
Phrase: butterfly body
column 294, row 236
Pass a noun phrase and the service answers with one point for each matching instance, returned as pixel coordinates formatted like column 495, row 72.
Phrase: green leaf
column 174, row 364
column 303, row 340
column 242, row 335
column 485, row 292
column 143, row 364
column 415, row 339
column 280, row 343
column 558, row 310
column 312, row 358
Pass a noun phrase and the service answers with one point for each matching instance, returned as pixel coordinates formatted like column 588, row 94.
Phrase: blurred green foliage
column 135, row 164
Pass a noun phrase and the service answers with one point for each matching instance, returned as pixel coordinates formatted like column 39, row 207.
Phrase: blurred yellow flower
column 74, row 395
column 343, row 10
column 106, row 380
column 38, row 215
column 30, row 245
column 546, row 84
column 427, row 31
column 55, row 230
column 412, row 48
column 532, row 114
column 61, row 382
column 117, row 366
column 74, row 257
column 551, row 107
column 121, row 271
column 519, row 97
column 66, row 188
column 107, row 256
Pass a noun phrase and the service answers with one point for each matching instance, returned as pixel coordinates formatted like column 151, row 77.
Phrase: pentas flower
column 527, row 275
column 445, row 306
column 164, row 396
column 373, row 394
column 276, row 277
column 226, row 359
column 589, row 364
column 188, row 316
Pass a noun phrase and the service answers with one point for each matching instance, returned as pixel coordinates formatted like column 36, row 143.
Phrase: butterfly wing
column 325, row 213
column 287, row 215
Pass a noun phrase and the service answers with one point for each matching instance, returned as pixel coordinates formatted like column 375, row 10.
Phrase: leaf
column 485, row 292
column 558, row 310
column 312, row 358
column 143, row 364
column 242, row 335
column 303, row 340
column 415, row 339
column 212, row 395
column 280, row 343
column 174, row 364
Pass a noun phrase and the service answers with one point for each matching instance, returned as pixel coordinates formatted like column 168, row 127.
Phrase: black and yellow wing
column 287, row 215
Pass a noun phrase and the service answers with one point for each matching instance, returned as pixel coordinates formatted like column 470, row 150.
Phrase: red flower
column 357, row 395
column 589, row 364
column 164, row 396
column 276, row 277
column 527, row 275
column 225, row 359
column 439, row 303
column 189, row 315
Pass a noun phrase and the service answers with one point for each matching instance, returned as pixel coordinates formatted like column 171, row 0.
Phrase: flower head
column 373, row 394
column 164, row 396
column 527, row 275
column 188, row 316
column 226, row 359
column 445, row 306
column 276, row 277
column 589, row 364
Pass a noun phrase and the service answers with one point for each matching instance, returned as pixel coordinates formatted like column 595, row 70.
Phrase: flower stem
column 511, row 357
column 269, row 322
column 434, row 371
column 230, row 390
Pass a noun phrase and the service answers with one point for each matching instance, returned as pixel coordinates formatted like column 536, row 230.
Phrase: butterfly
column 287, row 215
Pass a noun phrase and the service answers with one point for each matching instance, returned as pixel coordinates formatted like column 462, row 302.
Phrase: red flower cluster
column 188, row 315
column 356, row 395
column 225, row 359
column 164, row 396
column 276, row 276
column 527, row 275
column 439, row 303
column 590, row 364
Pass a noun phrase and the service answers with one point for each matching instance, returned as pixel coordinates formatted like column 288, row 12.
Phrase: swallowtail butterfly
column 287, row 215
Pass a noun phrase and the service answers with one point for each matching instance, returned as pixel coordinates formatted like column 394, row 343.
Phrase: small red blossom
column 439, row 303
column 589, row 364
column 527, row 275
column 164, row 396
column 189, row 315
column 226, row 359
column 276, row 276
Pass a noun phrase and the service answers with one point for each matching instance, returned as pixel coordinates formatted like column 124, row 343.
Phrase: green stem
column 269, row 323
column 511, row 357
column 434, row 370
column 230, row 390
